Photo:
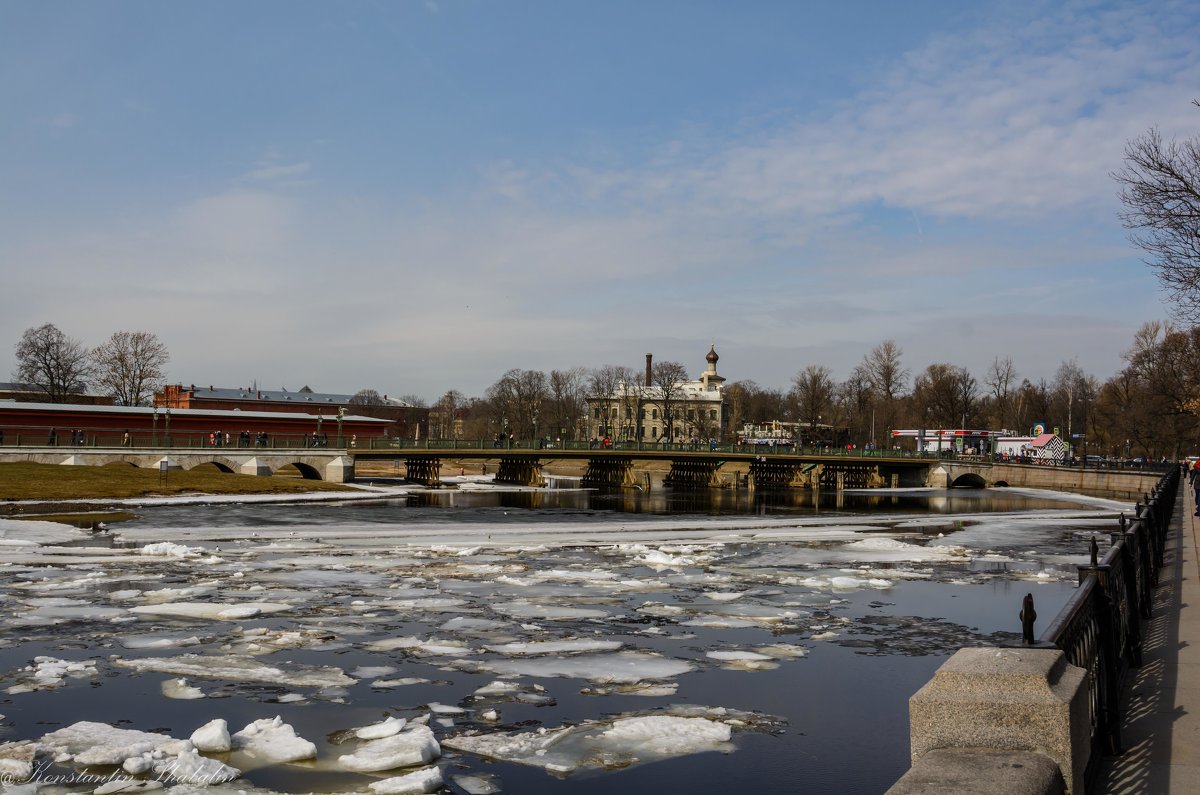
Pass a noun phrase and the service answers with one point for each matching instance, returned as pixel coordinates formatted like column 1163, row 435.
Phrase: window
column 712, row 414
column 597, row 413
column 654, row 433
column 691, row 414
column 654, row 414
column 641, row 414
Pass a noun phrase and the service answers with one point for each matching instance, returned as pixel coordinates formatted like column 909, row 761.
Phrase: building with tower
column 679, row 412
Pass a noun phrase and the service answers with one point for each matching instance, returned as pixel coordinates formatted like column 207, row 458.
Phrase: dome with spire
column 712, row 357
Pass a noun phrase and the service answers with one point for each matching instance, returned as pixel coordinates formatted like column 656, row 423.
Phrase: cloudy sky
column 418, row 196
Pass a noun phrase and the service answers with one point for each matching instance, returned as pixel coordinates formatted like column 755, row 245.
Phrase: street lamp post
column 167, row 411
column 340, row 415
column 154, row 427
column 317, row 441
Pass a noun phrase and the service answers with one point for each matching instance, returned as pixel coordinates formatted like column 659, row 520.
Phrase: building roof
column 224, row 414
column 308, row 398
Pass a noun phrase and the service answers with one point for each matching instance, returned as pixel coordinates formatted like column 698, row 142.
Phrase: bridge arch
column 307, row 471
column 969, row 480
column 216, row 464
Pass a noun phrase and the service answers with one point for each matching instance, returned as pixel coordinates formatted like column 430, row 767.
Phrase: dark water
column 841, row 710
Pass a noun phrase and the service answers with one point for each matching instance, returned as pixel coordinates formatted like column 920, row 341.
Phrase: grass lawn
column 51, row 482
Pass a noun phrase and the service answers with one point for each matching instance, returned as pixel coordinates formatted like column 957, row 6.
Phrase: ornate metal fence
column 1100, row 627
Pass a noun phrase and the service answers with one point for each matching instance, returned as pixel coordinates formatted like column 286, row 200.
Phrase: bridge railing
column 1099, row 629
column 161, row 437
column 68, row 440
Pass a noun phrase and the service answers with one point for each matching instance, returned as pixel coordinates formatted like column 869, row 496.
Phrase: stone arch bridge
column 330, row 465
column 614, row 468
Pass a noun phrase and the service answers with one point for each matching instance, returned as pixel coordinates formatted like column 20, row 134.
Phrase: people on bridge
column 1194, row 479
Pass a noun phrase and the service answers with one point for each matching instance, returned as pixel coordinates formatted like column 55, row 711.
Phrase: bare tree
column 946, row 394
column 130, row 366
column 52, row 362
column 813, row 393
column 667, row 379
column 1000, row 377
column 516, row 400
column 1160, row 188
column 887, row 377
column 565, row 404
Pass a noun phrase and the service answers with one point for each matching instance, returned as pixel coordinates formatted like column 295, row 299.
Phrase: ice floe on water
column 618, row 743
column 415, row 745
column 621, row 667
column 476, row 636
column 50, row 672
column 270, row 740
column 240, row 669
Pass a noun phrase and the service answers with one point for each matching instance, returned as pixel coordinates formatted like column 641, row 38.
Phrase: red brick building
column 32, row 423
column 408, row 421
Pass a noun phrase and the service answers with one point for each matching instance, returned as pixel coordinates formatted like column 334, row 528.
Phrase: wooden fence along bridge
column 678, row 466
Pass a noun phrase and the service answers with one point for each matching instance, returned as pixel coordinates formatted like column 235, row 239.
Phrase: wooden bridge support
column 521, row 471
column 700, row 473
column 424, row 469
column 766, row 473
column 850, row 476
column 609, row 472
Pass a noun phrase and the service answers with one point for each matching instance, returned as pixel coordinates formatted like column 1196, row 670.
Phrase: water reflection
column 721, row 502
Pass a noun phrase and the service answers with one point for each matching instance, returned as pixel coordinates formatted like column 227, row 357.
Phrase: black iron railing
column 1100, row 627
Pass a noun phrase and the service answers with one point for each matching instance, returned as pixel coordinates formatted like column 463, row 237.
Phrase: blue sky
column 419, row 196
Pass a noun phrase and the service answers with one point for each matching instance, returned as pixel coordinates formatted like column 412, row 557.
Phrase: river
column 554, row 641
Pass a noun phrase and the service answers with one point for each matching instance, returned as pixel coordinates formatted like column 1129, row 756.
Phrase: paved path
column 1161, row 728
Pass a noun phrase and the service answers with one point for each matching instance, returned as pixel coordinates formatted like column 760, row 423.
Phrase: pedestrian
column 52, row 437
column 125, row 439
column 1194, row 479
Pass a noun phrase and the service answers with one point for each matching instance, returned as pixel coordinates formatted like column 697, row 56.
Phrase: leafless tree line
column 129, row 366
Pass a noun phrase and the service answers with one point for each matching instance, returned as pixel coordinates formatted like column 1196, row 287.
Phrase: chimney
column 649, row 359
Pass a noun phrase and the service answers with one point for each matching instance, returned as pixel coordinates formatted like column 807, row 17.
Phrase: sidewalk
column 1161, row 721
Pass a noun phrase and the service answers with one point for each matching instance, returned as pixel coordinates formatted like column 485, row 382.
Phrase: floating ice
column 385, row 728
column 211, row 611
column 49, row 672
column 467, row 624
column 427, row 779
column 179, row 688
column 620, row 743
column 527, row 610
column 627, row 666
column 16, row 762
column 91, row 743
column 240, row 669
column 478, row 784
column 170, row 550
column 401, row 682
column 556, row 646
column 271, row 740
column 213, row 737
column 159, row 641
column 416, row 746
column 415, row 645
column 191, row 768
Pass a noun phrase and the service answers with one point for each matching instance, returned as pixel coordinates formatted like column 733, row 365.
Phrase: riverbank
column 24, row 482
